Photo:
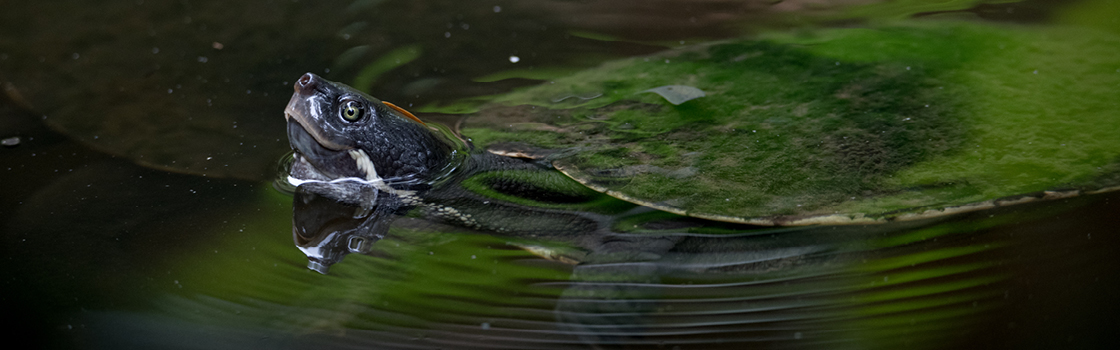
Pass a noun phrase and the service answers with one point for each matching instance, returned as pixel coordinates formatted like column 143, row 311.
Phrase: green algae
column 863, row 123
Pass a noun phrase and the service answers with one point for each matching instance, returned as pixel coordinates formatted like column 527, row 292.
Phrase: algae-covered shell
column 842, row 126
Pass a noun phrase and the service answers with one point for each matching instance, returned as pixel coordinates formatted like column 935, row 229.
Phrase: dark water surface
column 137, row 208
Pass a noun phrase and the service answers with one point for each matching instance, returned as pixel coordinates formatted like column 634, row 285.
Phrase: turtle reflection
column 327, row 230
column 676, row 279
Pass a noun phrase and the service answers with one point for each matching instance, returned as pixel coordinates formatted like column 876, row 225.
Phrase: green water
column 137, row 209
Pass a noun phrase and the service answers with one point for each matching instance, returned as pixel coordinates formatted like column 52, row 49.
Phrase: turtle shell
column 841, row 126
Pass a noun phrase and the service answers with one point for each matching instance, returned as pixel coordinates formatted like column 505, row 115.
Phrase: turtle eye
column 352, row 111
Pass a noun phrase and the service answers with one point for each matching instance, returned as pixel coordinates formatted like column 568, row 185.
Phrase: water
column 139, row 212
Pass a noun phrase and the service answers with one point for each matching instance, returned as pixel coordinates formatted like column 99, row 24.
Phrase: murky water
column 138, row 210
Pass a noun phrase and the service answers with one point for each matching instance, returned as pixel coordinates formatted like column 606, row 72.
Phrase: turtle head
column 341, row 132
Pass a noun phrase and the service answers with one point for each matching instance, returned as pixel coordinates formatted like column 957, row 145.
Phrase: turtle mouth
column 295, row 114
column 315, row 161
column 306, row 143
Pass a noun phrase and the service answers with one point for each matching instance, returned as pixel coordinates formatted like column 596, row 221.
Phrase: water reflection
column 671, row 281
column 327, row 230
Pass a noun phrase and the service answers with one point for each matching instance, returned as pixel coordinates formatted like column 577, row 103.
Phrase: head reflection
column 326, row 230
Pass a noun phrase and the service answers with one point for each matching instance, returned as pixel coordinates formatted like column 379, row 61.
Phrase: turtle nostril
column 306, row 82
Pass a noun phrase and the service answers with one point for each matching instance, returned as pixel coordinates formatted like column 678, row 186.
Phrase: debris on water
column 677, row 94
column 10, row 142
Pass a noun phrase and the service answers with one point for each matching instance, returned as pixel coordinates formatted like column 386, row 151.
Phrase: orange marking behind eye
column 406, row 113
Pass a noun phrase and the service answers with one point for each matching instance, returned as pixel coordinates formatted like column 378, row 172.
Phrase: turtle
column 783, row 131
column 840, row 127
column 363, row 152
